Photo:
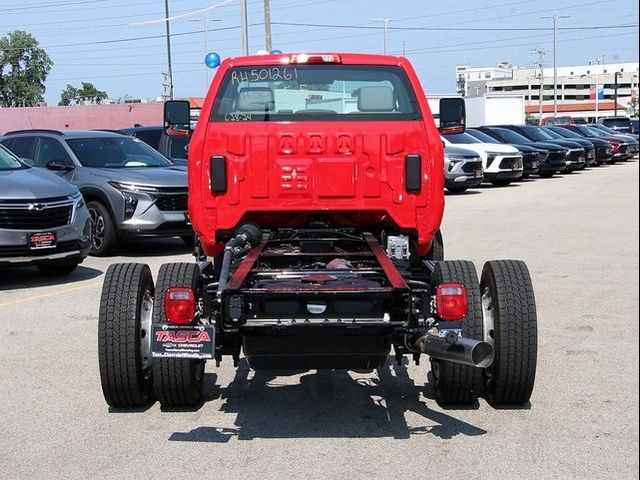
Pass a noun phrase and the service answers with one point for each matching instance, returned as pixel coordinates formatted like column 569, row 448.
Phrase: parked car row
column 67, row 194
column 126, row 188
column 509, row 153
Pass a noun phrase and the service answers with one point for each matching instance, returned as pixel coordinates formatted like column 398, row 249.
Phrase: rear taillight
column 179, row 305
column 451, row 301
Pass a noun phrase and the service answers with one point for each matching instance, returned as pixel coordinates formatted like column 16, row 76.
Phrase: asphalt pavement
column 579, row 235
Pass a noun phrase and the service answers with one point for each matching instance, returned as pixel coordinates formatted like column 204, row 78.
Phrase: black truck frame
column 318, row 298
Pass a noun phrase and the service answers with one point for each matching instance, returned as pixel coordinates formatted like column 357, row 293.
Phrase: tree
column 632, row 107
column 85, row 94
column 24, row 68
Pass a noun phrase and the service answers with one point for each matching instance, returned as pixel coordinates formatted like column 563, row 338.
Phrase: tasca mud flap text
column 175, row 341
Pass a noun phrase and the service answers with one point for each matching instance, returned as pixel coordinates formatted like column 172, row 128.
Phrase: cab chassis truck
column 317, row 211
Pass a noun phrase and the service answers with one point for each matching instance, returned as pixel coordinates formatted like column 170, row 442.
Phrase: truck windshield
column 118, row 152
column 8, row 161
column 315, row 92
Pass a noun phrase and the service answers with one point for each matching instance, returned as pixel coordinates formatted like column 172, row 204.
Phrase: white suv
column 502, row 163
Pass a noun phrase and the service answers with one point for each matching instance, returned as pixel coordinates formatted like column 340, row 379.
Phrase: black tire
column 125, row 373
column 546, row 174
column 501, row 183
column 457, row 384
column 177, row 382
column 507, row 284
column 457, row 189
column 59, row 268
column 103, row 233
column 436, row 253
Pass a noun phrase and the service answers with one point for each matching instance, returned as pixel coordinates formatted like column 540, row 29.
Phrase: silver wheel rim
column 146, row 318
column 488, row 321
column 97, row 229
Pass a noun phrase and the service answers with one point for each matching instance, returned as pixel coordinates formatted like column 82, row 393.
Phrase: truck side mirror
column 452, row 115
column 177, row 112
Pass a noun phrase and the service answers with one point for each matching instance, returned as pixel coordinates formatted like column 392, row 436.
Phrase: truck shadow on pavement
column 14, row 278
column 327, row 404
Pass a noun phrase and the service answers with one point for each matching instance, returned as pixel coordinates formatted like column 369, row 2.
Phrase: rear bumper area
column 316, row 347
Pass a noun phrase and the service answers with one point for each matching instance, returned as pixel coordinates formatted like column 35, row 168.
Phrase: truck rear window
column 314, row 93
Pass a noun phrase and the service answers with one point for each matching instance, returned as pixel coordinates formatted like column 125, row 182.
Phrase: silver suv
column 462, row 169
column 131, row 190
column 43, row 219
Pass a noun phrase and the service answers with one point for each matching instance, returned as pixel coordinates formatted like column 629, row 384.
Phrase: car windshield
column 8, row 161
column 116, row 152
column 552, row 134
column 566, row 133
column 596, row 133
column 605, row 129
column 511, row 136
column 617, row 122
column 315, row 92
column 585, row 132
column 483, row 137
column 461, row 138
column 537, row 134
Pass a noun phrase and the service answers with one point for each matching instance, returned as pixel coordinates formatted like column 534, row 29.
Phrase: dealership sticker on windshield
column 177, row 341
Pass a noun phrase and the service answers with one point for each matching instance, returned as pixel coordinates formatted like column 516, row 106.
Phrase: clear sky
column 83, row 38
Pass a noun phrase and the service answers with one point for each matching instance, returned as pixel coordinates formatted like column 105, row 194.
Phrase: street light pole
column 205, row 21
column 385, row 21
column 245, row 27
column 555, row 64
column 615, row 93
column 267, row 26
column 170, row 71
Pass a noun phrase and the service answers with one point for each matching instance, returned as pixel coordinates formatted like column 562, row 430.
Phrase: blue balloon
column 276, row 52
column 212, row 60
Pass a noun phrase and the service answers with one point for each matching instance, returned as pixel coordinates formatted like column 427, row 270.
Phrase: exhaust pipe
column 456, row 349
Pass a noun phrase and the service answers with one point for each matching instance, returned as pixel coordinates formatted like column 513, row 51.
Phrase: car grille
column 472, row 166
column 36, row 215
column 172, row 203
column 575, row 156
column 591, row 153
column 529, row 158
column 623, row 148
column 510, row 163
column 23, row 251
column 555, row 158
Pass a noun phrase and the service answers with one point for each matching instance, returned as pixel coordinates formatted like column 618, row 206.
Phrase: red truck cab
column 283, row 139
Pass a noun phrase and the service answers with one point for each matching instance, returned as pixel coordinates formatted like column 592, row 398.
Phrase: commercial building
column 576, row 87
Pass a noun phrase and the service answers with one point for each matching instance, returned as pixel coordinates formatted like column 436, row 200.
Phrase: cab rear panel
column 372, row 167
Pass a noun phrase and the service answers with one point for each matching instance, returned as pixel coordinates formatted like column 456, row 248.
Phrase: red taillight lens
column 315, row 58
column 451, row 301
column 179, row 305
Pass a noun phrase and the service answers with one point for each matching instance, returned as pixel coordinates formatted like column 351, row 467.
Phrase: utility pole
column 245, row 26
column 541, row 53
column 555, row 59
column 205, row 21
column 615, row 92
column 385, row 21
column 170, row 71
column 267, row 26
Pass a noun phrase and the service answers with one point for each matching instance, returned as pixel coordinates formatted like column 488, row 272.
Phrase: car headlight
column 452, row 160
column 78, row 200
column 130, row 193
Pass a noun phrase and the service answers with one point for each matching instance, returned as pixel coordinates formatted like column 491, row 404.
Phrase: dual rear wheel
column 502, row 311
column 130, row 303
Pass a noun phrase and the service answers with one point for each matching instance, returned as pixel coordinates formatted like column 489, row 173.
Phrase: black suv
column 172, row 142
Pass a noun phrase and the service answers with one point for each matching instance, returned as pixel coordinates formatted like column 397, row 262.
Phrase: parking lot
column 579, row 235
